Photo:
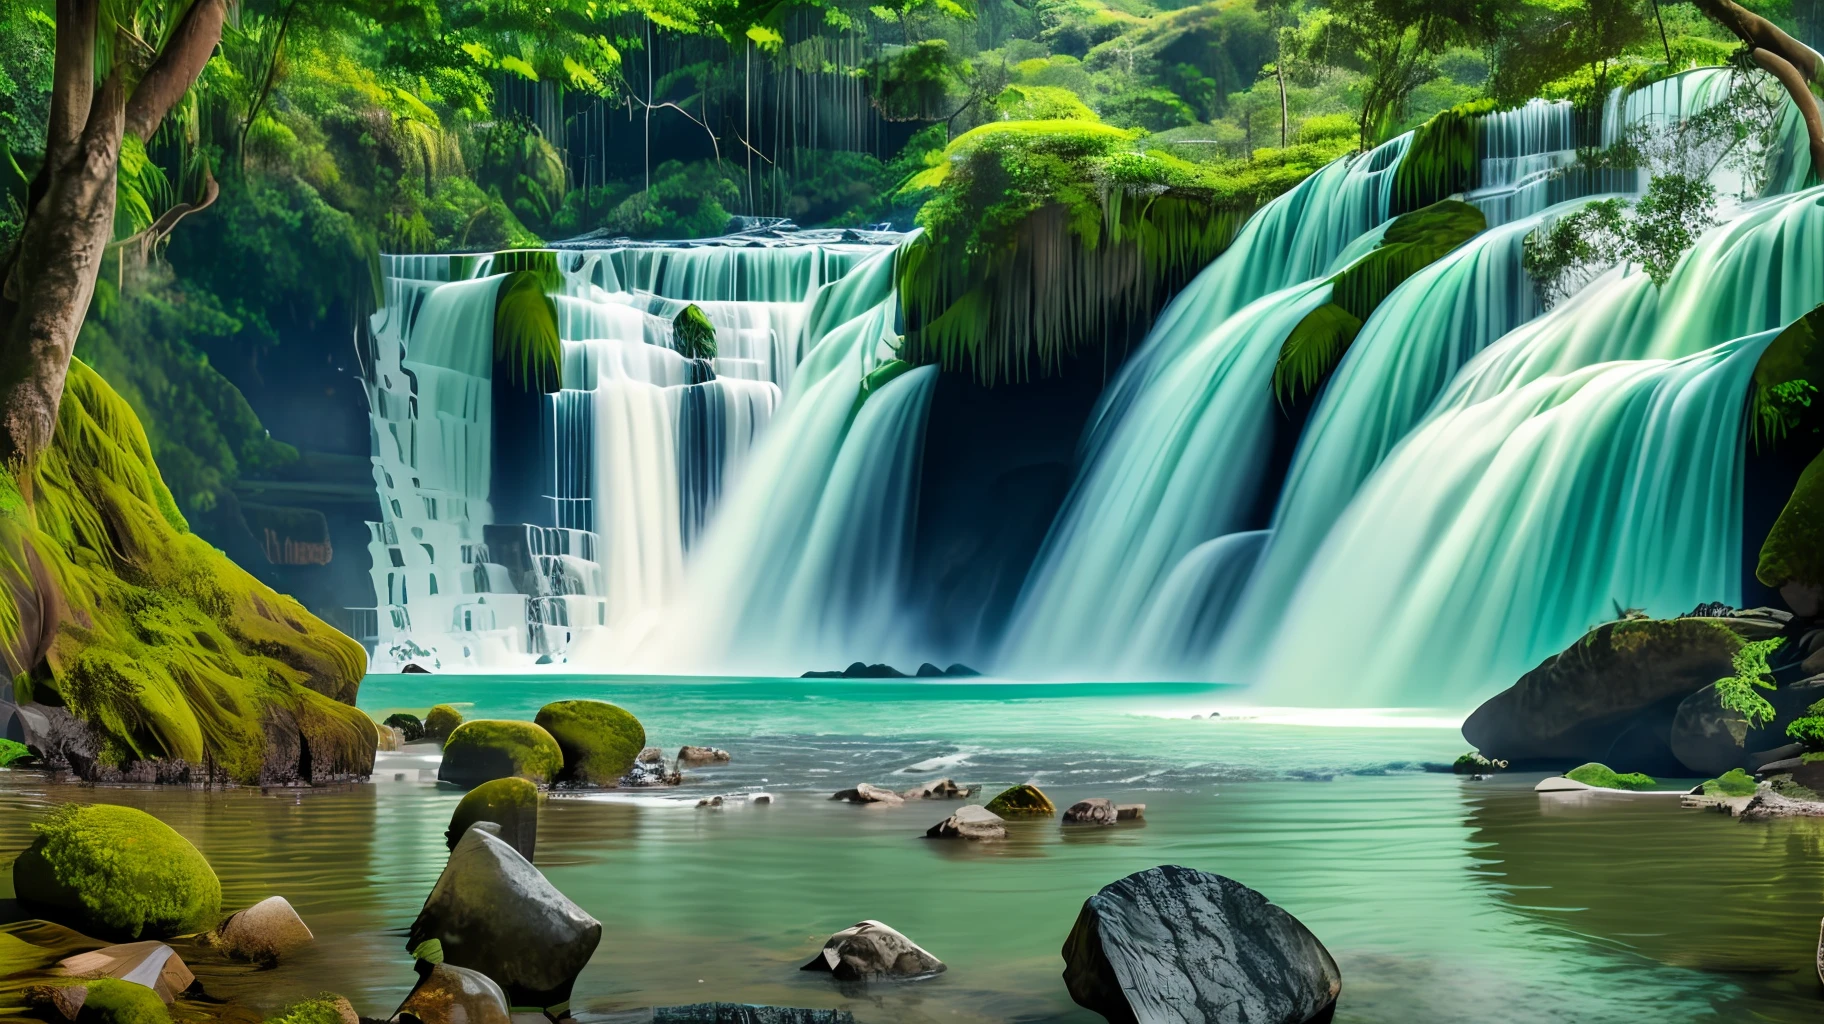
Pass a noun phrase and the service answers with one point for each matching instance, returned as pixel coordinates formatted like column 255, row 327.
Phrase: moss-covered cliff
column 137, row 650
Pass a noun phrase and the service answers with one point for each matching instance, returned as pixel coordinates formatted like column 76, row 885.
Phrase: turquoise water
column 1443, row 899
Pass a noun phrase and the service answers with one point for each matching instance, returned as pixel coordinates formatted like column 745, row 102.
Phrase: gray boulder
column 1709, row 739
column 971, row 821
column 938, row 789
column 649, row 769
column 702, row 755
column 1094, row 811
column 870, row 950
column 867, row 793
column 493, row 912
column 446, row 994
column 1172, row 945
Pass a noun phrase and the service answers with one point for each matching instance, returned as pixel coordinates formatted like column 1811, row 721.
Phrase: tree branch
column 73, row 81
column 1802, row 98
column 1759, row 33
column 176, row 67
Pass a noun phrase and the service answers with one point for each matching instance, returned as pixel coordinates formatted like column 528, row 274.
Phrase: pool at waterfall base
column 1443, row 898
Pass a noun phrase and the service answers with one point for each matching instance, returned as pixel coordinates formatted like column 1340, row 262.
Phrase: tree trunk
column 52, row 270
column 1793, row 63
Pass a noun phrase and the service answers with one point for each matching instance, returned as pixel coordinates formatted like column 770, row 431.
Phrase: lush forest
column 320, row 134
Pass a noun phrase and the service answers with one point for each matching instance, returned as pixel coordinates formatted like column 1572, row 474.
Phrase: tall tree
column 145, row 67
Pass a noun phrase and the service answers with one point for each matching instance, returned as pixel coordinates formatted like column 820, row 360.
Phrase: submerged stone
column 703, row 755
column 1094, row 811
column 867, row 793
column 938, row 789
column 116, row 871
column 869, row 950
column 971, row 821
column 447, row 994
column 1025, row 801
column 488, row 749
column 1172, row 945
column 149, row 964
column 511, row 803
column 493, row 912
column 599, row 740
column 266, row 932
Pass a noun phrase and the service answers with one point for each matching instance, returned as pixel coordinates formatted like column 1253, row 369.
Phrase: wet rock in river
column 407, row 724
column 391, row 738
column 971, row 821
column 440, row 721
column 493, row 912
column 867, row 793
column 487, row 749
column 745, row 1013
column 649, row 769
column 1022, row 802
column 1094, row 811
column 600, row 741
column 266, row 932
column 511, row 803
column 447, row 994
column 1172, row 945
column 116, row 872
column 151, row 965
column 938, row 789
column 702, row 755
column 870, row 950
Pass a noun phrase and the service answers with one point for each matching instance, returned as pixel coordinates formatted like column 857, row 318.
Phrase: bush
column 1600, row 776
column 118, row 871
column 1809, row 730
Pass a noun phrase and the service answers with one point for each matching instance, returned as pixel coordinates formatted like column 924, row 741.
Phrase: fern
column 1737, row 693
column 526, row 343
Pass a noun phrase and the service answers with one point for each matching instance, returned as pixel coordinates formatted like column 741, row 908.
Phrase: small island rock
column 938, row 789
column 116, row 872
column 599, row 740
column 510, row 803
column 867, row 793
column 971, row 821
column 440, row 721
column 869, row 950
column 1094, row 811
column 1025, row 801
column 266, row 932
column 1171, row 945
column 487, row 749
column 702, row 755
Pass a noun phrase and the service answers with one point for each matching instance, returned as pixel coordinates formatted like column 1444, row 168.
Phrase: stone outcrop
column 267, row 932
column 511, row 804
column 492, row 911
column 447, row 994
column 867, row 793
column 971, row 821
column 599, row 740
column 870, row 950
column 1025, row 801
column 1171, row 945
column 702, row 755
column 1094, row 811
column 487, row 749
column 938, row 789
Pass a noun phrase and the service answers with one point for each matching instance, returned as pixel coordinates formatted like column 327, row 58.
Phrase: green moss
column 526, row 343
column 1786, row 379
column 1734, row 782
column 168, row 650
column 542, row 263
column 1024, row 801
column 111, row 1001
column 488, row 749
column 1602, row 777
column 117, row 871
column 1794, row 550
column 694, row 334
column 324, row 1009
column 1738, row 693
column 1473, row 763
column 11, row 751
column 1441, row 160
column 598, row 739
column 440, row 721
column 409, row 725
column 1042, row 103
column 504, row 802
column 1411, row 243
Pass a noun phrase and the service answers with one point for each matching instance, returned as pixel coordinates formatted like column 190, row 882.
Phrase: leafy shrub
column 1738, row 692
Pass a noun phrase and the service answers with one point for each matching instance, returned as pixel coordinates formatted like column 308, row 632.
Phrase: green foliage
column 1734, row 782
column 1794, row 549
column 876, row 379
column 686, row 200
column 1441, row 159
column 1655, row 233
column 11, row 751
column 486, row 749
column 599, row 740
column 1412, row 242
column 1042, row 103
column 119, row 871
column 1809, row 728
column 1602, row 777
column 1737, row 693
column 324, row 1009
column 1781, row 402
column 693, row 333
column 1117, row 231
column 914, row 83
column 527, row 347
column 112, row 1001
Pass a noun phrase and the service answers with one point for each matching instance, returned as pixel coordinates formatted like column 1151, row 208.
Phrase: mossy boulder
column 1603, row 777
column 440, row 722
column 600, row 741
column 1733, row 782
column 487, row 749
column 510, row 803
column 175, row 664
column 112, row 1001
column 116, row 871
column 325, row 1009
column 408, row 725
column 1024, row 801
column 1792, row 559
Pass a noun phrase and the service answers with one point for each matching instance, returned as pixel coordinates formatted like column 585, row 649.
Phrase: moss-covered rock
column 1792, row 559
column 327, row 1008
column 600, row 741
column 176, row 663
column 117, row 871
column 111, row 1001
column 440, row 722
column 1602, row 777
column 1024, row 801
column 510, row 803
column 408, row 725
column 488, row 749
column 1733, row 782
column 11, row 751
column 1474, row 763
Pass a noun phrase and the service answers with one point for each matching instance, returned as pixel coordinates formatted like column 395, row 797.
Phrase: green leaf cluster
column 1740, row 692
